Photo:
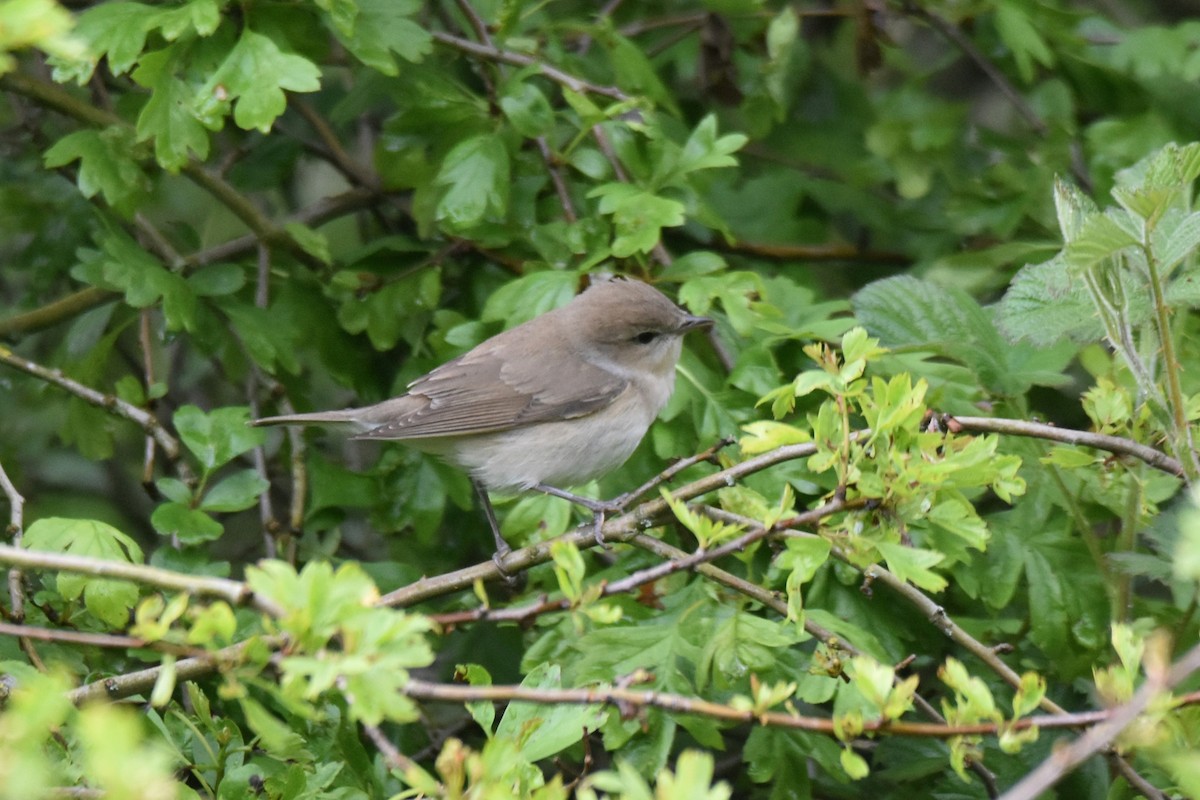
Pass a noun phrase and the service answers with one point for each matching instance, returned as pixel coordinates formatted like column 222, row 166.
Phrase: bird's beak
column 691, row 323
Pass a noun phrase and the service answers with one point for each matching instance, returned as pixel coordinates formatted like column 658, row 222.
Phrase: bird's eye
column 646, row 337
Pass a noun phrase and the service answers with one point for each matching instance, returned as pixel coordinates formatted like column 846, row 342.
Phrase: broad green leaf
column 913, row 564
column 1045, row 304
column 527, row 109
column 1181, row 242
column 43, row 24
column 116, row 30
column 236, row 493
column 543, row 730
column 907, row 312
column 217, row 437
column 106, row 165
column 189, row 525
column 476, row 178
column 167, row 117
column 109, row 600
column 1101, row 236
column 638, row 216
column 125, row 266
column 382, row 30
column 254, row 77
column 531, row 295
column 217, row 280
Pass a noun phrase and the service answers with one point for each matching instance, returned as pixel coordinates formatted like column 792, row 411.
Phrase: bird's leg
column 502, row 548
column 598, row 508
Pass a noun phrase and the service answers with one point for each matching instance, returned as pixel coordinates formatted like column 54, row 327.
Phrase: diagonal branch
column 108, row 402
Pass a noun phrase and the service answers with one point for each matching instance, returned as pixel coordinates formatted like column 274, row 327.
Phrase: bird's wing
column 480, row 392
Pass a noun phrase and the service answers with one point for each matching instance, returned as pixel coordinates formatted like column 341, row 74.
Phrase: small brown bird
column 557, row 401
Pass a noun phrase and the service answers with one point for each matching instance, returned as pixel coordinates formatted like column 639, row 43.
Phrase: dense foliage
column 922, row 512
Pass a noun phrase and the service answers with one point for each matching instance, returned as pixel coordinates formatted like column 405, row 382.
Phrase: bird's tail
column 349, row 417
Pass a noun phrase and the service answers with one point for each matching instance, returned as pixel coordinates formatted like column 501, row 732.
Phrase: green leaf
column 382, row 30
column 109, row 600
column 705, row 150
column 1100, row 237
column 907, row 312
column 638, row 216
column 313, row 242
column 117, row 30
column 125, row 266
column 1045, row 303
column 913, row 564
column 167, row 117
column 254, row 76
column 527, row 109
column 106, row 165
column 217, row 280
column 1181, row 242
column 1020, row 33
column 236, row 493
column 483, row 711
column 544, row 730
column 216, row 438
column 530, row 295
column 476, row 176
column 185, row 523
column 43, row 24
column 195, row 16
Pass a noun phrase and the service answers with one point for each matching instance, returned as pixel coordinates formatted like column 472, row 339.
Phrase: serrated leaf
column 907, row 312
column 530, row 295
column 913, row 564
column 253, row 77
column 107, row 599
column 1100, row 236
column 106, row 165
column 1045, row 304
column 527, row 109
column 475, row 174
column 167, row 117
column 382, row 30
column 217, row 280
column 116, row 30
column 638, row 216
column 1181, row 242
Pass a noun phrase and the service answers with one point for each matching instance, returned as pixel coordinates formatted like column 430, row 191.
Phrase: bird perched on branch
column 557, row 401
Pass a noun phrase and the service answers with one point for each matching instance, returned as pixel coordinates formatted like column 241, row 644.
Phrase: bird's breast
column 562, row 453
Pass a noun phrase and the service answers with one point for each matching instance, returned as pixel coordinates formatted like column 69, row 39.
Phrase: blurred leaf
column 109, row 600
column 107, row 165
column 543, row 730
column 382, row 28
column 476, row 177
column 189, row 525
column 236, row 493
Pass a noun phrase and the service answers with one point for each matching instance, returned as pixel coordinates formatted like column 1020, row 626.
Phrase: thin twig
column 16, row 578
column 1065, row 759
column 111, row 403
column 141, row 681
column 233, row 592
column 1040, row 430
column 626, row 699
column 522, row 60
column 394, row 758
